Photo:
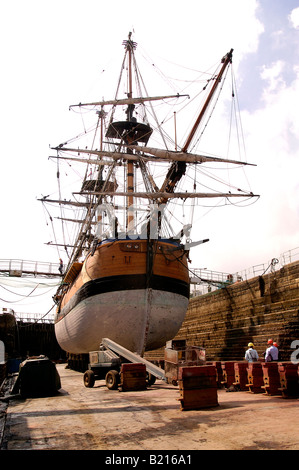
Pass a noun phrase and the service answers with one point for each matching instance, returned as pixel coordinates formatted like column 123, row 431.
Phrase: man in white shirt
column 251, row 354
column 271, row 352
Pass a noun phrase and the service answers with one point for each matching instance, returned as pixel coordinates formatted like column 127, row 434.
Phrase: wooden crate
column 133, row 377
column 197, row 399
column 198, row 387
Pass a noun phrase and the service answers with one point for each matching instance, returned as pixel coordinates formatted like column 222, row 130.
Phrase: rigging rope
column 212, row 105
column 23, row 295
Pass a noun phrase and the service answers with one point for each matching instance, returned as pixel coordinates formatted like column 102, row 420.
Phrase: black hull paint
column 125, row 282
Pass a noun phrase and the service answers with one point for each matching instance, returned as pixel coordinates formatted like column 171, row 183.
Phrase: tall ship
column 126, row 240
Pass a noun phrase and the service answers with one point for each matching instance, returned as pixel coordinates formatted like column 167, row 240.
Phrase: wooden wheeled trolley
column 108, row 362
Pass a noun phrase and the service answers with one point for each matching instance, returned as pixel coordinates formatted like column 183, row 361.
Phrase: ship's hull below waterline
column 141, row 319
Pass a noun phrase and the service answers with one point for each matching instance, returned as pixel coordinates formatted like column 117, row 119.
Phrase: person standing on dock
column 271, row 352
column 276, row 345
column 251, row 354
column 60, row 266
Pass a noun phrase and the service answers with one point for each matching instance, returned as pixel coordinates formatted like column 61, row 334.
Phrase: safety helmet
column 270, row 341
column 250, row 345
column 275, row 344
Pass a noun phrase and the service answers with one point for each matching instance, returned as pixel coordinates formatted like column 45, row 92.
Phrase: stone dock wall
column 224, row 321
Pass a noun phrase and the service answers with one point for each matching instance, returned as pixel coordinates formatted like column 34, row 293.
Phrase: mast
column 129, row 132
column 226, row 61
column 101, row 116
column 130, row 167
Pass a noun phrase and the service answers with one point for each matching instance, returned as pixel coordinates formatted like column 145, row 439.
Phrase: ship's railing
column 34, row 318
column 275, row 263
column 253, row 271
column 204, row 281
column 19, row 268
column 208, row 281
column 289, row 256
column 198, row 276
column 30, row 317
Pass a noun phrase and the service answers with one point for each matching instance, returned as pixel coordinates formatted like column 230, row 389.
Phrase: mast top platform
column 128, row 43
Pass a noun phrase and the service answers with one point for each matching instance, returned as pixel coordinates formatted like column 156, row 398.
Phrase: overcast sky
column 53, row 54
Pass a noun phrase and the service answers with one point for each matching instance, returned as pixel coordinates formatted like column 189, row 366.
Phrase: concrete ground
column 80, row 418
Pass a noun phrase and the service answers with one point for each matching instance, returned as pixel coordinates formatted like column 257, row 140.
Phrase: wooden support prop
column 271, row 378
column 289, row 379
column 198, row 387
column 219, row 372
column 133, row 377
column 255, row 377
column 241, row 377
column 228, row 368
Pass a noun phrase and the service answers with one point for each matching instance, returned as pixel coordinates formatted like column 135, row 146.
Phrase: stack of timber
column 133, row 377
column 224, row 321
column 197, row 387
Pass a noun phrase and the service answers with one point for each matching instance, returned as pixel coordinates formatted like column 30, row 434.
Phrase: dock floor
column 80, row 418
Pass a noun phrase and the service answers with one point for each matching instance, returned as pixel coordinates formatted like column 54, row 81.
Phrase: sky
column 53, row 54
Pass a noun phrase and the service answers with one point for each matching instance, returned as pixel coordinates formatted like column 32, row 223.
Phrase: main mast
column 129, row 132
column 130, row 166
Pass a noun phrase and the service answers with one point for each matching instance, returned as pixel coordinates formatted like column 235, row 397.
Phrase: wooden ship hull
column 135, row 292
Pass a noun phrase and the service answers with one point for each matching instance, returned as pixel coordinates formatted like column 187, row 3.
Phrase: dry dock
column 80, row 418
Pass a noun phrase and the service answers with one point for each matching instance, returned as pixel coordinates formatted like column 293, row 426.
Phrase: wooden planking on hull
column 129, row 258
